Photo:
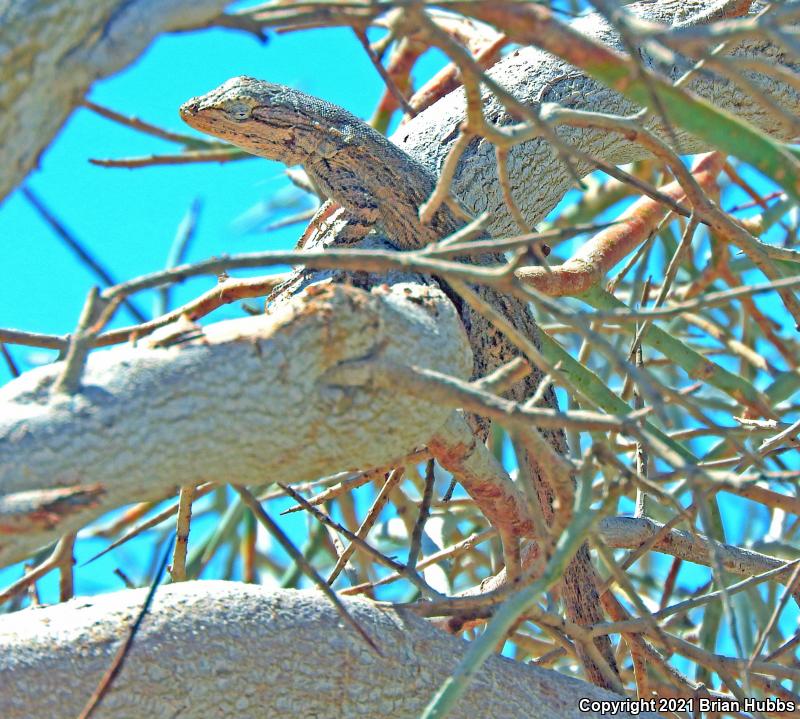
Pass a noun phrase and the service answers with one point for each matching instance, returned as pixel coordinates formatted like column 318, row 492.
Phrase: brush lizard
column 375, row 183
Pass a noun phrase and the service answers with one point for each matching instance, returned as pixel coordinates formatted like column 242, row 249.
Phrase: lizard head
column 234, row 100
column 252, row 114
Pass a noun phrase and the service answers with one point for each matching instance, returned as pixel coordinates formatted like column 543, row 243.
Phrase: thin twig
column 404, row 571
column 388, row 80
column 303, row 563
column 10, row 363
column 77, row 247
column 178, row 568
column 392, row 480
column 179, row 247
column 424, row 513
column 119, row 658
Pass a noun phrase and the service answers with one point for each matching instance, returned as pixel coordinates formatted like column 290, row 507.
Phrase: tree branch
column 531, row 75
column 73, row 44
column 223, row 649
column 247, row 400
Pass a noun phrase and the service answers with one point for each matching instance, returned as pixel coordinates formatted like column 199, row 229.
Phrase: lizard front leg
column 332, row 224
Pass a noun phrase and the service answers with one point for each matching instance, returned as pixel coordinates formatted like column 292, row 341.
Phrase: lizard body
column 377, row 183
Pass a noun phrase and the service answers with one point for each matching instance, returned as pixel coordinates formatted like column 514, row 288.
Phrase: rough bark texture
column 538, row 179
column 51, row 51
column 219, row 649
column 246, row 402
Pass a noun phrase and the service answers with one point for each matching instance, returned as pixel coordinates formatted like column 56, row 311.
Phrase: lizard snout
column 189, row 108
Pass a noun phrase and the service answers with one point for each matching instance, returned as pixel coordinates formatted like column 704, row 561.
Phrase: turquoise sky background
column 128, row 218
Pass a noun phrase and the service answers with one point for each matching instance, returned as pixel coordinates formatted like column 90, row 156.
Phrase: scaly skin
column 351, row 163
column 378, row 184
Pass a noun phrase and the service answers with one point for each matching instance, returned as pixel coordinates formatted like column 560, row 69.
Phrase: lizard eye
column 238, row 110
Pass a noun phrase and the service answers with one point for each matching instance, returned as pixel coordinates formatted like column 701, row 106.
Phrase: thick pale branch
column 228, row 649
column 246, row 401
column 539, row 178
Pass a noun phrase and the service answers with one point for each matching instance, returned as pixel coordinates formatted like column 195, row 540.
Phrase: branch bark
column 217, row 649
column 247, row 401
column 51, row 51
column 538, row 177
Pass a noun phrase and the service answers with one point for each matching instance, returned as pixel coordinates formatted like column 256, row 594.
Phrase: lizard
column 376, row 184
